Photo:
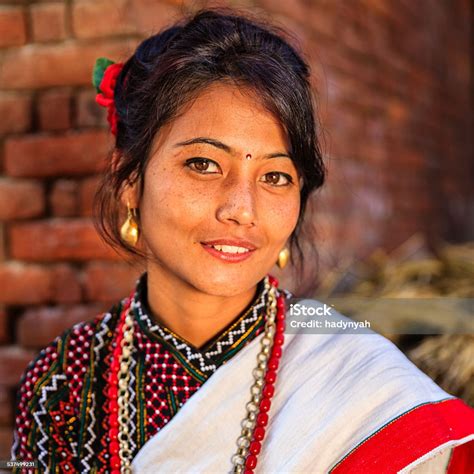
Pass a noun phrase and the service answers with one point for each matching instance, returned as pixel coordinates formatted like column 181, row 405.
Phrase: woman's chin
column 227, row 285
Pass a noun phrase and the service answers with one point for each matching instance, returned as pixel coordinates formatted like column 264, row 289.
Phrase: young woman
column 215, row 157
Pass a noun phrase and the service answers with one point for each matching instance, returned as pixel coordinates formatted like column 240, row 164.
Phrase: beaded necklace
column 249, row 443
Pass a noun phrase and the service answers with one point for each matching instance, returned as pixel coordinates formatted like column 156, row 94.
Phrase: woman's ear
column 129, row 195
column 115, row 160
column 129, row 191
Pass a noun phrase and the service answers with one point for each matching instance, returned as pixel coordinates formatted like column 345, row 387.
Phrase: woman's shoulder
column 54, row 379
column 352, row 356
column 66, row 352
column 361, row 387
column 51, row 385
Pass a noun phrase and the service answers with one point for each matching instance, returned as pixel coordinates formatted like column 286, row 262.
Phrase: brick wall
column 393, row 85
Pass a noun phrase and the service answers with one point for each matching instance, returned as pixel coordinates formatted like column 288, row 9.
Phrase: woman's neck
column 194, row 316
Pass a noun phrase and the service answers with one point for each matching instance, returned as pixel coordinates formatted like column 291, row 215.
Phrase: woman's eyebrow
column 208, row 141
column 222, row 146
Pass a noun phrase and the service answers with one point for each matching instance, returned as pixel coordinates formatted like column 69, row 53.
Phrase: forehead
column 231, row 114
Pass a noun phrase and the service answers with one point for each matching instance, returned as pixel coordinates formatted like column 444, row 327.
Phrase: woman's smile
column 229, row 250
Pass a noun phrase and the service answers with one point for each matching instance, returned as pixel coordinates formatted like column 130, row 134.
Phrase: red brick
column 69, row 154
column 3, row 253
column 6, row 441
column 88, row 18
column 24, row 284
column 109, row 282
column 17, row 107
column 123, row 17
column 6, row 406
column 294, row 10
column 57, row 239
column 87, row 190
column 4, row 326
column 413, row 159
column 66, row 287
column 149, row 16
column 89, row 114
column 64, row 198
column 13, row 362
column 48, row 21
column 322, row 22
column 62, row 64
column 38, row 327
column 12, row 26
column 54, row 110
column 20, row 198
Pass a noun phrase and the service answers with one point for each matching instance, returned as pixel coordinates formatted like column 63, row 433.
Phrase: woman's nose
column 238, row 202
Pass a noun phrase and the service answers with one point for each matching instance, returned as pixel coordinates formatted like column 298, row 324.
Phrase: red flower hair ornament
column 104, row 78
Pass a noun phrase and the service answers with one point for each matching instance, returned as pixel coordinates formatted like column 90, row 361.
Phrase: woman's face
column 221, row 195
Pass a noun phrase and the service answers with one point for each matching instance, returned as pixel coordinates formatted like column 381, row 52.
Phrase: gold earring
column 129, row 229
column 283, row 257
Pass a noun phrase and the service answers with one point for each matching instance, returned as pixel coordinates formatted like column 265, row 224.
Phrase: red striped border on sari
column 410, row 436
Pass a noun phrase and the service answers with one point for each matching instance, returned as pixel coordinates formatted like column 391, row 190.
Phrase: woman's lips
column 228, row 256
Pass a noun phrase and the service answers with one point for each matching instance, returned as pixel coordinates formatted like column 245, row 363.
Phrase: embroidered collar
column 248, row 324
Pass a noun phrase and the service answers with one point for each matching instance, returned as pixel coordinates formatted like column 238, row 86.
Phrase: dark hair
column 172, row 67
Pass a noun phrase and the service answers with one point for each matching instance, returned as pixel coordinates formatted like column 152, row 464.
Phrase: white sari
column 343, row 403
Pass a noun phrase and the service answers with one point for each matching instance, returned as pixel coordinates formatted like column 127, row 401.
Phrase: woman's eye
column 203, row 165
column 276, row 178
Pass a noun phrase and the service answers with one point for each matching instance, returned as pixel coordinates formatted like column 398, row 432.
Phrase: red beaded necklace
column 265, row 374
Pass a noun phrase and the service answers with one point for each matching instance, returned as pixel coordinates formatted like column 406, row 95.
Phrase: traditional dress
column 344, row 403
